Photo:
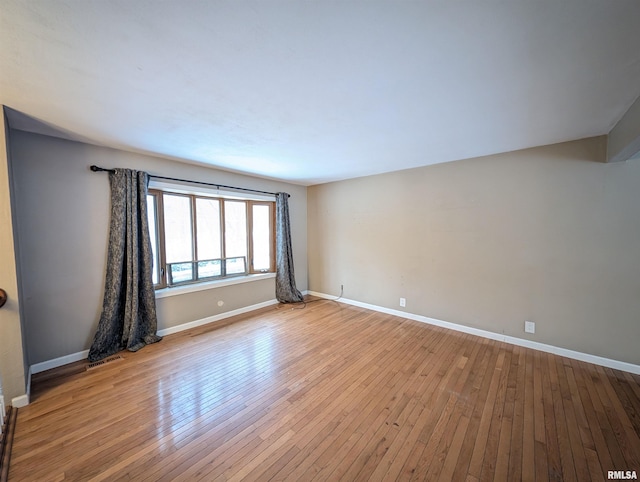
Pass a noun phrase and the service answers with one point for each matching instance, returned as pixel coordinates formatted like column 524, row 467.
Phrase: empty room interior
column 360, row 240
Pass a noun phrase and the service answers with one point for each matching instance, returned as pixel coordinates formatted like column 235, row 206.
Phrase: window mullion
column 223, row 242
column 249, row 205
column 161, row 242
column 247, row 240
column 194, row 234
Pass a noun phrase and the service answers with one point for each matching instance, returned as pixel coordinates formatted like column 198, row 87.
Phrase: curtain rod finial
column 95, row 168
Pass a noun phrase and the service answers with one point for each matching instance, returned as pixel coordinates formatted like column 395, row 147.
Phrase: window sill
column 209, row 285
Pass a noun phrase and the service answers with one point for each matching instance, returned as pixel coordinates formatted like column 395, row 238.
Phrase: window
column 197, row 238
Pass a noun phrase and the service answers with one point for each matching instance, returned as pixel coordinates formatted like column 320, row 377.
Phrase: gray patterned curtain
column 128, row 318
column 286, row 291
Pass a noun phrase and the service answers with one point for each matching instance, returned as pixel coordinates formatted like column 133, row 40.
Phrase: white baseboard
column 576, row 355
column 58, row 362
column 21, row 401
column 211, row 319
column 82, row 355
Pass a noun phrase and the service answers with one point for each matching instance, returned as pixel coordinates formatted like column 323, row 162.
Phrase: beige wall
column 63, row 215
column 550, row 234
column 12, row 367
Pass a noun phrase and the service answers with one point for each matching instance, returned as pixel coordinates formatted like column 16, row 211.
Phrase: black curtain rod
column 102, row 169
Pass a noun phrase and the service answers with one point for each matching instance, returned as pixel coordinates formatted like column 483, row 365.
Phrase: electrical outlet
column 403, row 302
column 529, row 327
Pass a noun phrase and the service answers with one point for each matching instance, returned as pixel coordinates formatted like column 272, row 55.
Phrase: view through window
column 198, row 238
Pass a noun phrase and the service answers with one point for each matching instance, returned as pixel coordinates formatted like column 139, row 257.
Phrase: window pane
column 207, row 269
column 236, row 265
column 261, row 237
column 151, row 217
column 180, row 272
column 177, row 228
column 208, row 228
column 235, row 228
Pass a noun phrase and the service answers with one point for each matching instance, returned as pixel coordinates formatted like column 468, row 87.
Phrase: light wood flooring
column 329, row 392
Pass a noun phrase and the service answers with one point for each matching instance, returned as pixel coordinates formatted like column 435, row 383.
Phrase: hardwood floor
column 330, row 392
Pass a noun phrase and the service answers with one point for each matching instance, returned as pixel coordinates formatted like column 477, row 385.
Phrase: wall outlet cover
column 529, row 327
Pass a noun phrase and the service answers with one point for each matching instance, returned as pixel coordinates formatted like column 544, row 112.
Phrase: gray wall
column 62, row 219
column 550, row 234
column 624, row 138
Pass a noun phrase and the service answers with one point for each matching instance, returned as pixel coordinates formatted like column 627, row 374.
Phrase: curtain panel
column 286, row 291
column 128, row 319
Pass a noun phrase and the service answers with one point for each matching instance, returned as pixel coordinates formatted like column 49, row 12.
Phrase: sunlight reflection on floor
column 179, row 410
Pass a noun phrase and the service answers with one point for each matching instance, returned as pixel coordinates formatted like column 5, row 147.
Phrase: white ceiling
column 317, row 91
